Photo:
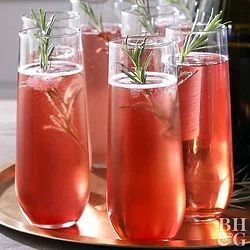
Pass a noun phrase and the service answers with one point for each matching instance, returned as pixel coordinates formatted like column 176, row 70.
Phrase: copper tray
column 94, row 227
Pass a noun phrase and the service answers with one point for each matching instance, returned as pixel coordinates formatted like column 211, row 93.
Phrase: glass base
column 48, row 226
column 202, row 215
column 55, row 226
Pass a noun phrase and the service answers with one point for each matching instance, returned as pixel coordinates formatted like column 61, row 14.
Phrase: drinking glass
column 206, row 124
column 145, row 178
column 154, row 22
column 52, row 161
column 63, row 18
column 95, row 54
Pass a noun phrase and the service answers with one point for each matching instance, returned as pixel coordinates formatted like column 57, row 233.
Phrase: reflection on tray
column 94, row 226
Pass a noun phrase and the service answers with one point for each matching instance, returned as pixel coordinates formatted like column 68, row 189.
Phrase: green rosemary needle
column 45, row 49
column 180, row 3
column 199, row 40
column 94, row 22
column 241, row 192
column 145, row 18
column 138, row 73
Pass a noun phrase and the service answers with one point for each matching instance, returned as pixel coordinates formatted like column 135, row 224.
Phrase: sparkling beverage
column 52, row 173
column 95, row 54
column 206, row 134
column 145, row 181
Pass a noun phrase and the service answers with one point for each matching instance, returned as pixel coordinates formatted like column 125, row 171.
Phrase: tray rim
column 16, row 225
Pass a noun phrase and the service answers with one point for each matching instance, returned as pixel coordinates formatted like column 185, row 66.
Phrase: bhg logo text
column 232, row 231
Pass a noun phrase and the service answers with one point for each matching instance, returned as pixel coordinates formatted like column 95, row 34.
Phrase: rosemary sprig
column 33, row 16
column 45, row 49
column 199, row 40
column 180, row 3
column 94, row 22
column 145, row 17
column 62, row 120
column 241, row 192
column 138, row 73
column 194, row 42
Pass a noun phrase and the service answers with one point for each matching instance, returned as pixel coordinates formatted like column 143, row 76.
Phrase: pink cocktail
column 145, row 177
column 52, row 161
column 95, row 54
column 206, row 122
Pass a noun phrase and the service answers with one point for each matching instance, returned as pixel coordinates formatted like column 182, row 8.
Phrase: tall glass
column 95, row 54
column 206, row 124
column 63, row 18
column 52, row 161
column 145, row 179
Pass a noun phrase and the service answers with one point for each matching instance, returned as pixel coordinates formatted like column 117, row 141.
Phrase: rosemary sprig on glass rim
column 45, row 49
column 180, row 4
column 195, row 42
column 62, row 119
column 33, row 16
column 94, row 22
column 145, row 17
column 137, row 74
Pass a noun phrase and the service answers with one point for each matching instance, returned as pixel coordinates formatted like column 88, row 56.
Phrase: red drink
column 95, row 51
column 52, row 166
column 206, row 132
column 145, row 181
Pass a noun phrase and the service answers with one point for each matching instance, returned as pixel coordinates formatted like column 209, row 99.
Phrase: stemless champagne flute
column 97, row 30
column 145, row 179
column 52, row 161
column 205, row 120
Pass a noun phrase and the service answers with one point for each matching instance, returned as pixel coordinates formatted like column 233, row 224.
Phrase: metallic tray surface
column 94, row 227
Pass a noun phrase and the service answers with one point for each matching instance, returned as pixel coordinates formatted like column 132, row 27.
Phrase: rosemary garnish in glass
column 97, row 24
column 180, row 3
column 94, row 22
column 142, row 8
column 137, row 74
column 62, row 119
column 195, row 42
column 45, row 49
column 199, row 40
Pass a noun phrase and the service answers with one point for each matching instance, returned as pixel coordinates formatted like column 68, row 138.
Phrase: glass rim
column 75, row 32
column 152, row 7
column 162, row 42
column 74, row 16
column 176, row 31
